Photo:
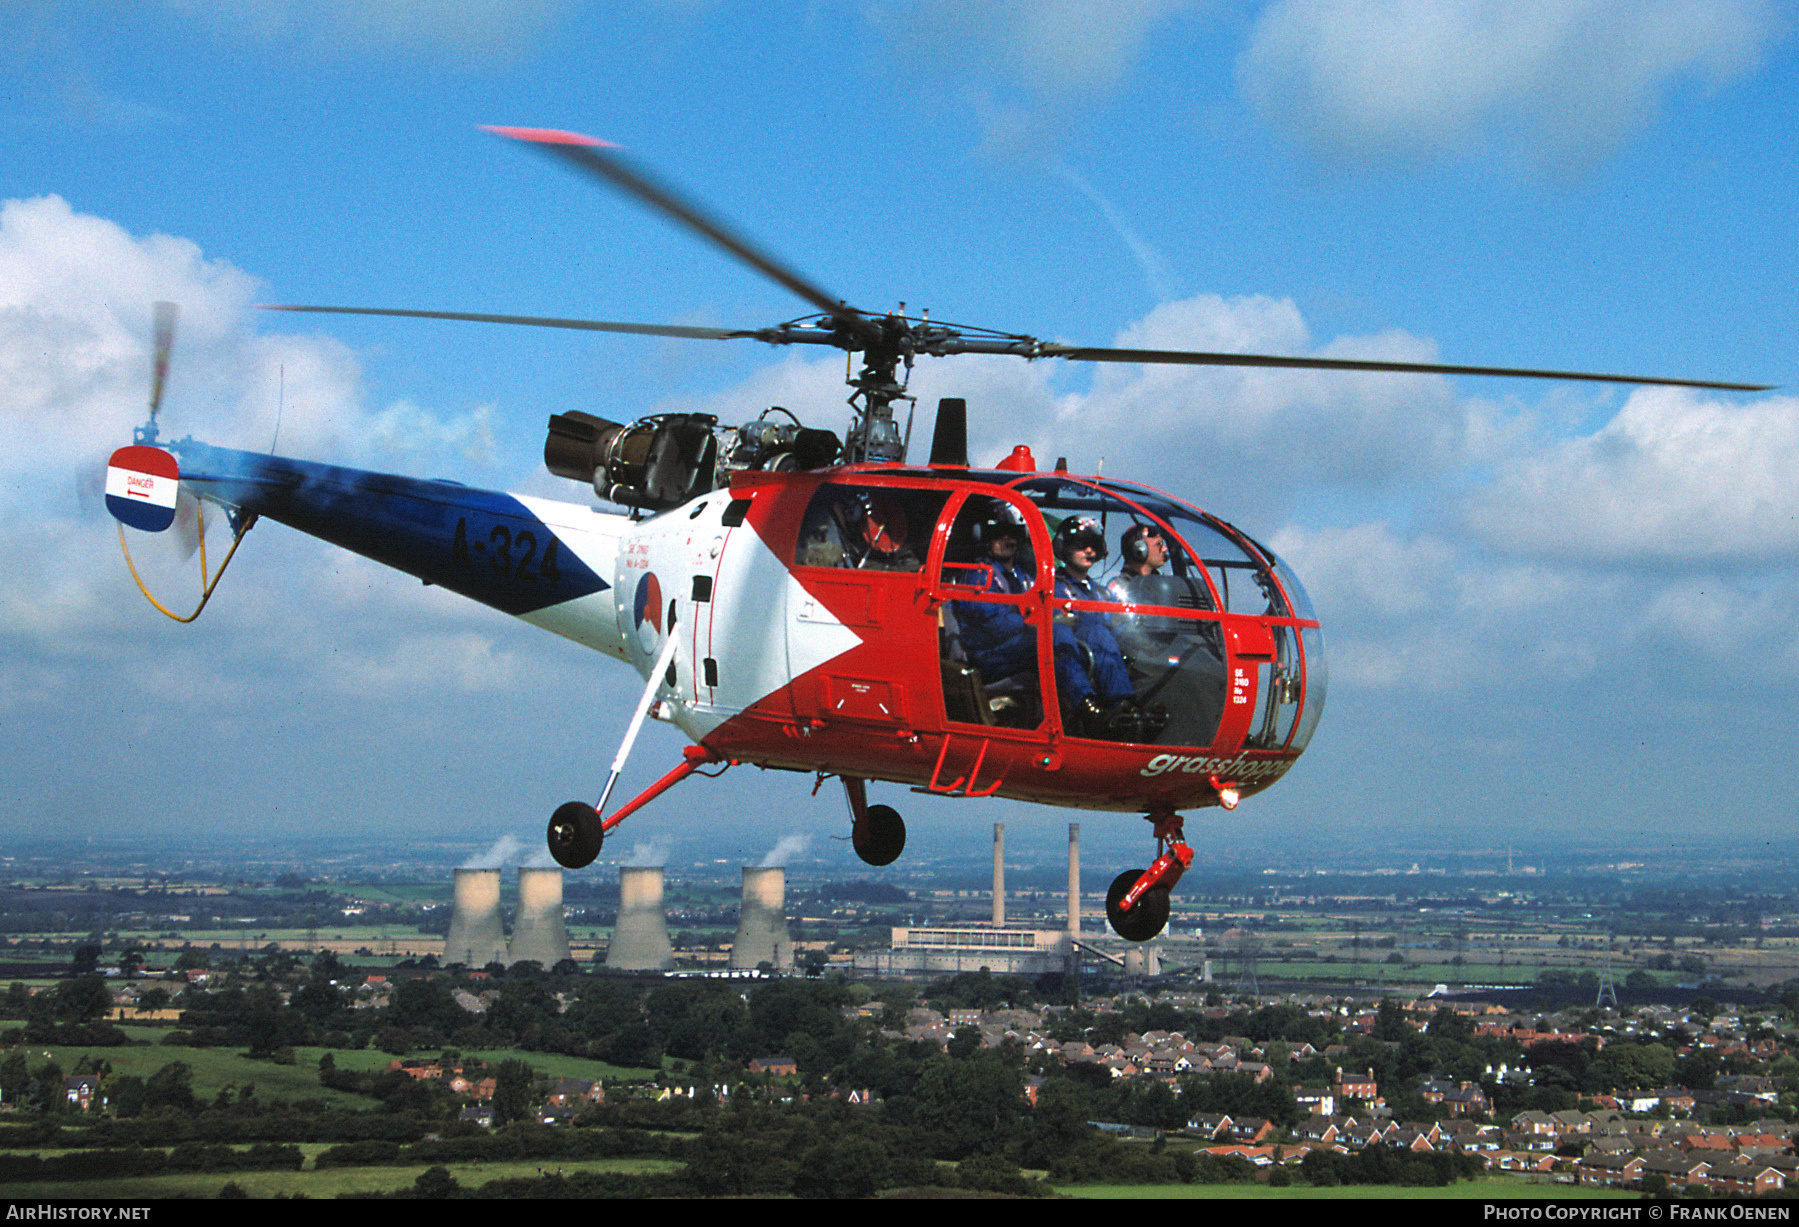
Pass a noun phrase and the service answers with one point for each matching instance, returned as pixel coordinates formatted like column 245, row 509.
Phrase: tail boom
column 536, row 559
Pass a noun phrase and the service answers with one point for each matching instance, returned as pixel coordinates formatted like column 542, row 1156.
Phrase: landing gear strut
column 576, row 829
column 1137, row 903
column 878, row 833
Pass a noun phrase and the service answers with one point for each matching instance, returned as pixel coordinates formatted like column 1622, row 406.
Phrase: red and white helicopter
column 802, row 601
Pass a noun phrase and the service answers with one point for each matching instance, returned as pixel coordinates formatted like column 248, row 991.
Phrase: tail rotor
column 143, row 483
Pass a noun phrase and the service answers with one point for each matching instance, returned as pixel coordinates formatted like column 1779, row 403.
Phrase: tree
column 512, row 1097
column 436, row 1183
column 964, row 1044
column 15, row 1077
column 844, row 1167
column 971, row 1107
column 82, row 999
column 172, row 1086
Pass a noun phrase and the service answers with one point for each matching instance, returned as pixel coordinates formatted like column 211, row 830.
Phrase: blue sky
column 1553, row 610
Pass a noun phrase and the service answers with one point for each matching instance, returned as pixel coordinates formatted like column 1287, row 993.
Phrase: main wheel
column 881, row 838
column 575, row 835
column 1145, row 920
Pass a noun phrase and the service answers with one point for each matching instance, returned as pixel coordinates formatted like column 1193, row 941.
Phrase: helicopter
column 809, row 602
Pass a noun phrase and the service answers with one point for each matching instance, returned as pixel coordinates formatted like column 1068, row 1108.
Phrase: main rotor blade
column 585, row 152
column 538, row 321
column 1075, row 353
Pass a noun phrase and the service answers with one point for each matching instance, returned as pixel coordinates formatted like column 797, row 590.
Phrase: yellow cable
column 208, row 586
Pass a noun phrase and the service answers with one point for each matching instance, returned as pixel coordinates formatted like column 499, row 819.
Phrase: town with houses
column 1730, row 1136
column 1622, row 1138
column 1648, row 1051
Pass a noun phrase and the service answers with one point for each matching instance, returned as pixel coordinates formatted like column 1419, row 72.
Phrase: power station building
column 477, row 936
column 997, row 947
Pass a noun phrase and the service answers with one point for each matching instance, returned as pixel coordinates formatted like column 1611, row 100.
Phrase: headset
column 1136, row 542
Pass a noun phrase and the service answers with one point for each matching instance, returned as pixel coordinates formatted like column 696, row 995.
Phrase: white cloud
column 1045, row 45
column 1367, row 567
column 1748, row 627
column 479, row 31
column 76, row 293
column 1023, row 67
column 1424, row 79
column 75, row 372
column 1247, row 438
column 1673, row 479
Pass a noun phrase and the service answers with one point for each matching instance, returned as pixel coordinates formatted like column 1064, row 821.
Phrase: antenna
column 280, row 403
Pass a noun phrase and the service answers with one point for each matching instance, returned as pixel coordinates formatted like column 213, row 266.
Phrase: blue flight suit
column 1109, row 682
column 995, row 637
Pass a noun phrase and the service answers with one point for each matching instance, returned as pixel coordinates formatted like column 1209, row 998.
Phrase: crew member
column 1094, row 686
column 995, row 637
column 1145, row 552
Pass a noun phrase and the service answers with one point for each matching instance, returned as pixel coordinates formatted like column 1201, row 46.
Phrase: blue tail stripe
column 482, row 544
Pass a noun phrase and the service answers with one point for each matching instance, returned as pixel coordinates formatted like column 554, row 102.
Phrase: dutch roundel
column 141, row 484
column 647, row 612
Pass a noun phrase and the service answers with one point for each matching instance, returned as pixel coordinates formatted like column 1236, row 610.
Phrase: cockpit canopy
column 1147, row 588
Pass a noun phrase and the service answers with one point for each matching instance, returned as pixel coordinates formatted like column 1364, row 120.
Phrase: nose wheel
column 1137, row 903
column 877, row 832
column 881, row 838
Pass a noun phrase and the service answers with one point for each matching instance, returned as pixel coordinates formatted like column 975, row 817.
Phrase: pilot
column 995, row 637
column 865, row 530
column 878, row 530
column 1091, row 678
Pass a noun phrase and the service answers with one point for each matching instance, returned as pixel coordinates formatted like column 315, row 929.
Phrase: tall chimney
column 1074, row 877
column 761, row 925
column 538, row 934
column 999, row 874
column 475, row 938
column 640, row 938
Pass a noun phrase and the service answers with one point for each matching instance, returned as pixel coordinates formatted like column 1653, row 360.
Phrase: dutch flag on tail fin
column 141, row 485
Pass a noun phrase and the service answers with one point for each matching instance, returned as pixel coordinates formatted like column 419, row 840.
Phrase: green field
column 217, row 1068
column 334, row 1182
column 331, row 1182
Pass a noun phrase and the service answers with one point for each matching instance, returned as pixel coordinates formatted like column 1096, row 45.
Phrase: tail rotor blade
column 186, row 538
column 165, row 341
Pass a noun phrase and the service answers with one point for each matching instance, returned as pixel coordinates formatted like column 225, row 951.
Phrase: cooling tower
column 761, row 926
column 538, row 934
column 1142, row 961
column 475, row 937
column 640, row 938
